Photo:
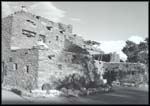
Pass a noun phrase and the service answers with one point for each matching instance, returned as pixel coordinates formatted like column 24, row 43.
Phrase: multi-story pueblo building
column 36, row 50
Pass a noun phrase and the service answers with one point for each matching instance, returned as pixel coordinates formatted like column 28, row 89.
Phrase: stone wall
column 54, row 65
column 125, row 71
column 23, row 69
column 5, row 50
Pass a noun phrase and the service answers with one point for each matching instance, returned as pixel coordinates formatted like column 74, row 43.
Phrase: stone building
column 35, row 50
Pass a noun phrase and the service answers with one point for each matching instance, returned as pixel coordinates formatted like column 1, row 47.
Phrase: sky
column 110, row 23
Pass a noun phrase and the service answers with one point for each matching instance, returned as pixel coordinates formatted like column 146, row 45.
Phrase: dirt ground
column 119, row 95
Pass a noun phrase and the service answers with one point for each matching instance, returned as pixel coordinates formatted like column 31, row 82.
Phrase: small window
column 37, row 17
column 15, row 66
column 27, row 69
column 43, row 38
column 49, row 28
column 74, row 35
column 13, row 50
column 50, row 56
column 31, row 22
column 28, row 33
column 60, row 66
column 26, row 52
column 61, row 32
column 10, row 59
column 57, row 38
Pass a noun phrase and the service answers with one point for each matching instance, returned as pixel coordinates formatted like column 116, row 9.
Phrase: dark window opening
column 133, row 72
column 49, row 41
column 102, row 57
column 57, row 38
column 74, row 35
column 42, row 37
column 10, row 59
column 28, row 33
column 74, row 56
column 31, row 22
column 49, row 28
column 60, row 66
column 50, row 56
column 26, row 52
column 61, row 32
column 27, row 69
column 15, row 66
column 38, row 17
column 13, row 50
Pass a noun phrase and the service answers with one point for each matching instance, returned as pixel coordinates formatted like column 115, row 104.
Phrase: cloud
column 75, row 19
column 136, row 39
column 44, row 9
column 113, row 46
column 117, row 46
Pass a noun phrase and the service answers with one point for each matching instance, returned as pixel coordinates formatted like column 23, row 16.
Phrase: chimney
column 24, row 8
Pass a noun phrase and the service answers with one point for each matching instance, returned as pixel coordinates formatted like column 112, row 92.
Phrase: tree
column 137, row 52
column 131, row 50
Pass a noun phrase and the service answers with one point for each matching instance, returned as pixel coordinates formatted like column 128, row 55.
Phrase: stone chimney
column 24, row 8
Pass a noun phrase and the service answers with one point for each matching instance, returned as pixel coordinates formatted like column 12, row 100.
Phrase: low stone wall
column 124, row 72
column 112, row 66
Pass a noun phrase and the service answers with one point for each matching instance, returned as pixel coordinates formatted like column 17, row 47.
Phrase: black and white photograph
column 70, row 52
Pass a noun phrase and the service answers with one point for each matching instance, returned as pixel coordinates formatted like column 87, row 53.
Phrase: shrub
column 16, row 91
column 47, row 87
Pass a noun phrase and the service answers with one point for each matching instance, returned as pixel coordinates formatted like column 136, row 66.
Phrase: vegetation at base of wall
column 17, row 91
column 46, row 87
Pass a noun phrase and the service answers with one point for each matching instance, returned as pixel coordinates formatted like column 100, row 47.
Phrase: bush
column 47, row 87
column 16, row 91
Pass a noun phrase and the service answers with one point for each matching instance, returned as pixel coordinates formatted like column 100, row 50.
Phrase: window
column 27, row 69
column 37, row 17
column 31, row 22
column 10, row 59
column 57, row 38
column 26, row 52
column 42, row 37
column 60, row 66
column 50, row 56
column 74, row 35
column 49, row 28
column 15, row 66
column 28, row 33
column 61, row 32
column 13, row 50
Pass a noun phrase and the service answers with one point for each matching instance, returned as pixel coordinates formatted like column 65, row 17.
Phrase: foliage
column 90, row 78
column 47, row 87
column 136, row 52
column 17, row 91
